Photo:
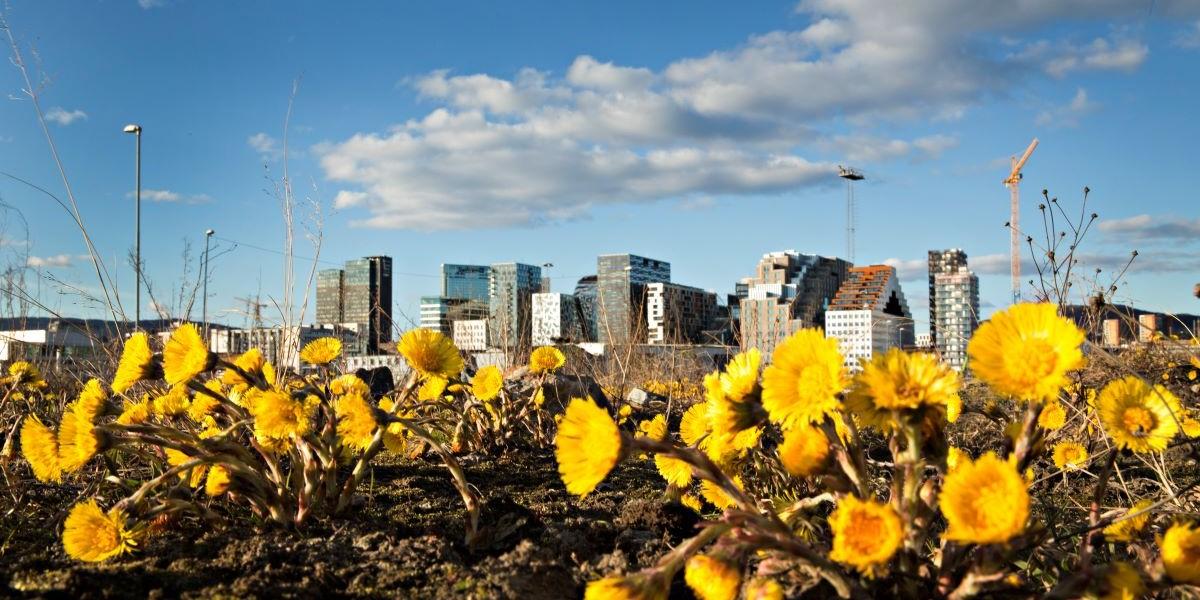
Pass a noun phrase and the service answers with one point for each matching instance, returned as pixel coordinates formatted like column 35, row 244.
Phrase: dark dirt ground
column 405, row 540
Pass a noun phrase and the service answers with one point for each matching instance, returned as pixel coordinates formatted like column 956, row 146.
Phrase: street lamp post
column 208, row 233
column 136, row 130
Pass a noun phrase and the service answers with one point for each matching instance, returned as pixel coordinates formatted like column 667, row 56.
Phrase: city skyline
column 713, row 181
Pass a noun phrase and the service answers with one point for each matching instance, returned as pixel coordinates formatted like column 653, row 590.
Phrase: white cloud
column 168, row 196
column 1067, row 115
column 1100, row 54
column 1189, row 37
column 64, row 117
column 909, row 269
column 265, row 145
column 501, row 151
column 867, row 148
column 45, row 262
column 1153, row 229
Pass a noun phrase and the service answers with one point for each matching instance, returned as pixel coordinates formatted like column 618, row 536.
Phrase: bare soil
column 405, row 540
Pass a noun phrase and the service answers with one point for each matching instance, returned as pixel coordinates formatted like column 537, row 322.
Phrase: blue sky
column 702, row 133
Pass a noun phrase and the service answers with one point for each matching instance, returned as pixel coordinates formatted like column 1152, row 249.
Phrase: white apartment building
column 863, row 333
column 555, row 318
column 471, row 335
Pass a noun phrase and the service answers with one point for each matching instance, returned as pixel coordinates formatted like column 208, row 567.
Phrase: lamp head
column 209, row 232
column 131, row 128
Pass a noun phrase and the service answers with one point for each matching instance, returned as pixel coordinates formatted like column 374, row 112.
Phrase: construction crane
column 253, row 311
column 1013, row 182
column 850, row 174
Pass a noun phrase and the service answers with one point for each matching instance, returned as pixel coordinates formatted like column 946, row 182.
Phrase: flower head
column 349, row 384
column 135, row 413
column 677, row 472
column 694, row 424
column 741, row 375
column 763, row 589
column 356, row 422
column 321, row 351
column 985, row 501
column 1181, row 553
column 546, row 359
column 803, row 450
column 277, row 416
column 903, row 381
column 217, row 481
column 1070, row 456
column 186, row 355
column 487, row 383
column 172, row 404
column 78, row 440
column 90, row 534
column 866, row 533
column 432, row 389
column 632, row 587
column 250, row 361
column 40, row 448
column 655, row 429
column 1026, row 351
column 393, row 435
column 24, row 373
column 1137, row 416
column 1053, row 416
column 713, row 578
column 716, row 495
column 431, row 353
column 137, row 363
column 805, row 376
column 1129, row 525
column 1123, row 581
column 588, row 446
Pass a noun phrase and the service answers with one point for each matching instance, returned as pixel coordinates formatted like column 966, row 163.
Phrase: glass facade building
column 359, row 294
column 510, row 289
column 621, row 292
column 469, row 282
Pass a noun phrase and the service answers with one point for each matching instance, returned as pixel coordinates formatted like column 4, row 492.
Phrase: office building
column 361, row 294
column 955, row 315
column 621, row 293
column 439, row 313
column 468, row 282
column 788, row 292
column 587, row 298
column 953, row 260
column 511, row 287
column 556, row 319
column 679, row 314
column 869, row 315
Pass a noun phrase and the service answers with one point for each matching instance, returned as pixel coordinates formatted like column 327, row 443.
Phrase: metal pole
column 204, row 303
column 137, row 246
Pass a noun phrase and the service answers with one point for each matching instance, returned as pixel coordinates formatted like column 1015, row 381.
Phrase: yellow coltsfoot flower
column 430, row 353
column 713, row 578
column 632, row 587
column 1130, row 525
column 1026, row 351
column 762, row 588
column 356, row 422
column 1122, row 581
column 546, row 359
column 321, row 351
column 677, row 472
column 486, row 383
column 805, row 376
column 804, row 450
column 1070, row 456
column 1181, row 553
column 985, row 501
column 39, row 446
column 1053, row 416
column 251, row 362
column 277, row 416
column 587, row 447
column 217, row 482
column 1139, row 417
column 137, row 363
column 90, row 534
column 655, row 429
column 186, row 355
column 866, row 533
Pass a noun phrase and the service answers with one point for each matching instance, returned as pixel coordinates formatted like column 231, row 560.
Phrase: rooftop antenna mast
column 850, row 174
column 1013, row 182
